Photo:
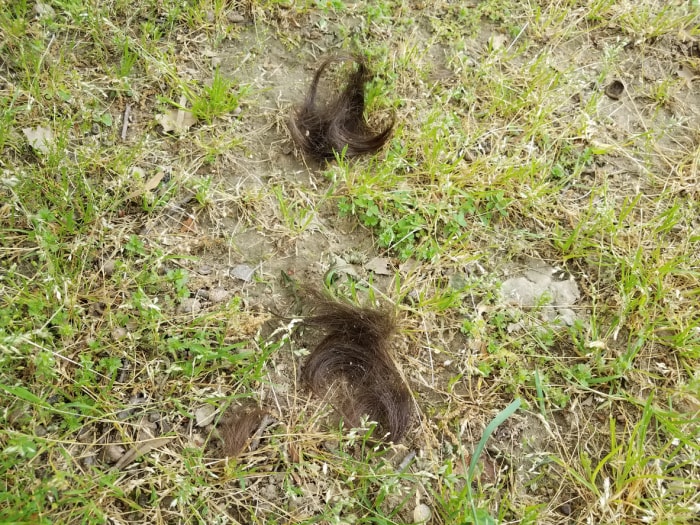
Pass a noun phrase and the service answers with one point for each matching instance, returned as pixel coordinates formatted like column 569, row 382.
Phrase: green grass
column 505, row 148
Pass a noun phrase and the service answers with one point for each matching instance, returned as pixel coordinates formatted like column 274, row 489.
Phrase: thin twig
column 267, row 420
column 125, row 120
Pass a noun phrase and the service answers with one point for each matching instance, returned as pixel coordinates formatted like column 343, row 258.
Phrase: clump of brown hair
column 324, row 130
column 238, row 427
column 354, row 358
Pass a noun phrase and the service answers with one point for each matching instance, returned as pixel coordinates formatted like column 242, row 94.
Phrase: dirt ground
column 243, row 231
column 272, row 219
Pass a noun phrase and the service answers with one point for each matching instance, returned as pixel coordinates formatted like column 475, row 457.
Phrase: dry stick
column 430, row 353
column 125, row 121
column 267, row 420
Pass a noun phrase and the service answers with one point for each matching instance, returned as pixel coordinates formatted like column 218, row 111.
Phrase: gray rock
column 242, row 272
column 541, row 285
column 189, row 305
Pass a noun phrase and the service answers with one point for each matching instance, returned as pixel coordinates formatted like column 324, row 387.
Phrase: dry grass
column 148, row 279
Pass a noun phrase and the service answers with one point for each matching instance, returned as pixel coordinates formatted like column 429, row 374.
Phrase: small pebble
column 218, row 295
column 44, row 10
column 235, row 18
column 113, row 453
column 242, row 272
column 205, row 269
column 204, row 415
column 189, row 306
column 118, row 333
column 108, row 267
column 422, row 513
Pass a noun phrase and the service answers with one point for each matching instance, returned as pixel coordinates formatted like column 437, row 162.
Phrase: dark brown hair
column 237, row 427
column 322, row 130
column 354, row 357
